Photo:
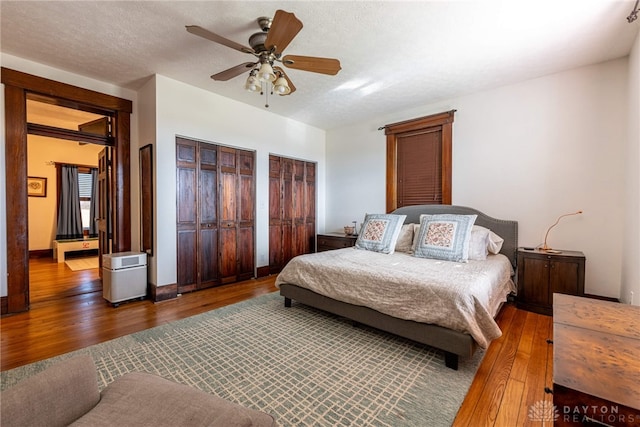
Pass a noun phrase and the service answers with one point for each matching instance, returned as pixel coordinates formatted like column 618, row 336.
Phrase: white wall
column 41, row 70
column 183, row 110
column 42, row 210
column 529, row 151
column 631, row 246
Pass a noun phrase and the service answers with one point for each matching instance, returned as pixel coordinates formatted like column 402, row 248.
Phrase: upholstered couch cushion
column 67, row 394
column 57, row 396
column 147, row 400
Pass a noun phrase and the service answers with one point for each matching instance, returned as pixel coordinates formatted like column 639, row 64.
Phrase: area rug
column 77, row 264
column 303, row 366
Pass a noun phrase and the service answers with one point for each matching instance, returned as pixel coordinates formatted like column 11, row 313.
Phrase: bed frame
column 453, row 343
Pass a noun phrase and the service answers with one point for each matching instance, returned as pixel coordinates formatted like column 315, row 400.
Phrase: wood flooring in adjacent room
column 68, row 313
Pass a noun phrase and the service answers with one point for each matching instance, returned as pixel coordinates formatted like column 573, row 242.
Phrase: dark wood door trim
column 17, row 86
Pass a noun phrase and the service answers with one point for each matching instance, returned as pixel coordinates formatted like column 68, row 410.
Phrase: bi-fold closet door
column 292, row 210
column 215, row 214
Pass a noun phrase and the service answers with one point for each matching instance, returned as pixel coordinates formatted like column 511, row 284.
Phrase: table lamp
column 544, row 246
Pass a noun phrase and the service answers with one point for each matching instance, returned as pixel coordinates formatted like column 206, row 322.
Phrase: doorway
column 18, row 87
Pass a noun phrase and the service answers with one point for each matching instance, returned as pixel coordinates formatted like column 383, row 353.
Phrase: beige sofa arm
column 56, row 396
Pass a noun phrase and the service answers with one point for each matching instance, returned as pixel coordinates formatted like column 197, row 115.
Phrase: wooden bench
column 61, row 247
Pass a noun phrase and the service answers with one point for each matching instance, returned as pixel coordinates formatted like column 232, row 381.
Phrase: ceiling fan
column 267, row 47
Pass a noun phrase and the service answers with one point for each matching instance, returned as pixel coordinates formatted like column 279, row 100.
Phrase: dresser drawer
column 328, row 242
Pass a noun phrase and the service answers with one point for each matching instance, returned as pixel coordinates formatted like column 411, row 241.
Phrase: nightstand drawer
column 328, row 242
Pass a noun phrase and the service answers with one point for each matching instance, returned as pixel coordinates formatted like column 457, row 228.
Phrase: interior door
column 104, row 204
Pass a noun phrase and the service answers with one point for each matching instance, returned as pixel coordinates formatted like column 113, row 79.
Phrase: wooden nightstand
column 330, row 241
column 540, row 274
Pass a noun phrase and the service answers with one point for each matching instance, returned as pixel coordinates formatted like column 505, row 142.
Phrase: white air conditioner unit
column 124, row 276
column 122, row 260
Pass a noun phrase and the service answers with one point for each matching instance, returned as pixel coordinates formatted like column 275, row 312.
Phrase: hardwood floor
column 68, row 313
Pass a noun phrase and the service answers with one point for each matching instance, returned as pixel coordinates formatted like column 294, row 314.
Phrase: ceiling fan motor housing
column 256, row 41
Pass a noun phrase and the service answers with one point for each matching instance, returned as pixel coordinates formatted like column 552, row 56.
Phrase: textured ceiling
column 394, row 55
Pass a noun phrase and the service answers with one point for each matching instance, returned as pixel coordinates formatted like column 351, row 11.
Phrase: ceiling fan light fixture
column 281, row 86
column 253, row 84
column 265, row 74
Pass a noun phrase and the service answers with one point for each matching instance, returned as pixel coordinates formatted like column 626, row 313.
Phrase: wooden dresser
column 596, row 362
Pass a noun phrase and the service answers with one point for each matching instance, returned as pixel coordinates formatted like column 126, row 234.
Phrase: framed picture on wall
column 36, row 186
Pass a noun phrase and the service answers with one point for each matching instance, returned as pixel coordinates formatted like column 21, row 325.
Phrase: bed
column 456, row 337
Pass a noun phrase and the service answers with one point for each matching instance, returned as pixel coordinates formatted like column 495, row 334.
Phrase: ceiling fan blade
column 289, row 82
column 233, row 72
column 311, row 63
column 284, row 28
column 199, row 31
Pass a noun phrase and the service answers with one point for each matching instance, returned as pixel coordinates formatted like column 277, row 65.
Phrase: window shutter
column 419, row 169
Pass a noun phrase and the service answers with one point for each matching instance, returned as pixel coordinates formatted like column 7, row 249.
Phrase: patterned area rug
column 304, row 366
column 78, row 264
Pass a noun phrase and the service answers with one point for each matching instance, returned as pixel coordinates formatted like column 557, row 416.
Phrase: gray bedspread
column 461, row 296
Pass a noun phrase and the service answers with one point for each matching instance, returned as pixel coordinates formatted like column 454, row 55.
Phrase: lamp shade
column 281, row 86
column 266, row 73
column 253, row 84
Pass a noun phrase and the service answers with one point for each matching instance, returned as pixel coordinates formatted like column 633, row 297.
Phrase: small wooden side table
column 541, row 274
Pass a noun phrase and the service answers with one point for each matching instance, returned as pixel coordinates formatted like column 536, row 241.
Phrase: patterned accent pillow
column 445, row 237
column 379, row 232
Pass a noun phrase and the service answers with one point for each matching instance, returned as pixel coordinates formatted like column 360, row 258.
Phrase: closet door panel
column 208, row 258
column 275, row 248
column 228, row 253
column 208, row 198
column 187, row 259
column 186, row 196
column 246, row 208
column 245, row 252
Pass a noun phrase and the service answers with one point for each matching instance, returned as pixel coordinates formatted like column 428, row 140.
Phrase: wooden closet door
column 275, row 214
column 208, row 217
column 288, row 250
column 215, row 214
column 228, row 213
column 237, row 213
column 186, row 214
column 299, row 200
column 292, row 210
column 310, row 207
column 246, row 214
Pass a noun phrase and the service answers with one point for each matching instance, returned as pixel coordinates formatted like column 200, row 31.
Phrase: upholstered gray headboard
column 507, row 229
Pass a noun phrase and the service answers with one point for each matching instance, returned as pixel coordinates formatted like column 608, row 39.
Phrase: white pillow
column 380, row 232
column 494, row 244
column 479, row 243
column 405, row 239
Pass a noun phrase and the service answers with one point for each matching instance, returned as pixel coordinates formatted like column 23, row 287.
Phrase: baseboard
column 263, row 271
column 602, row 298
column 41, row 253
column 163, row 293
